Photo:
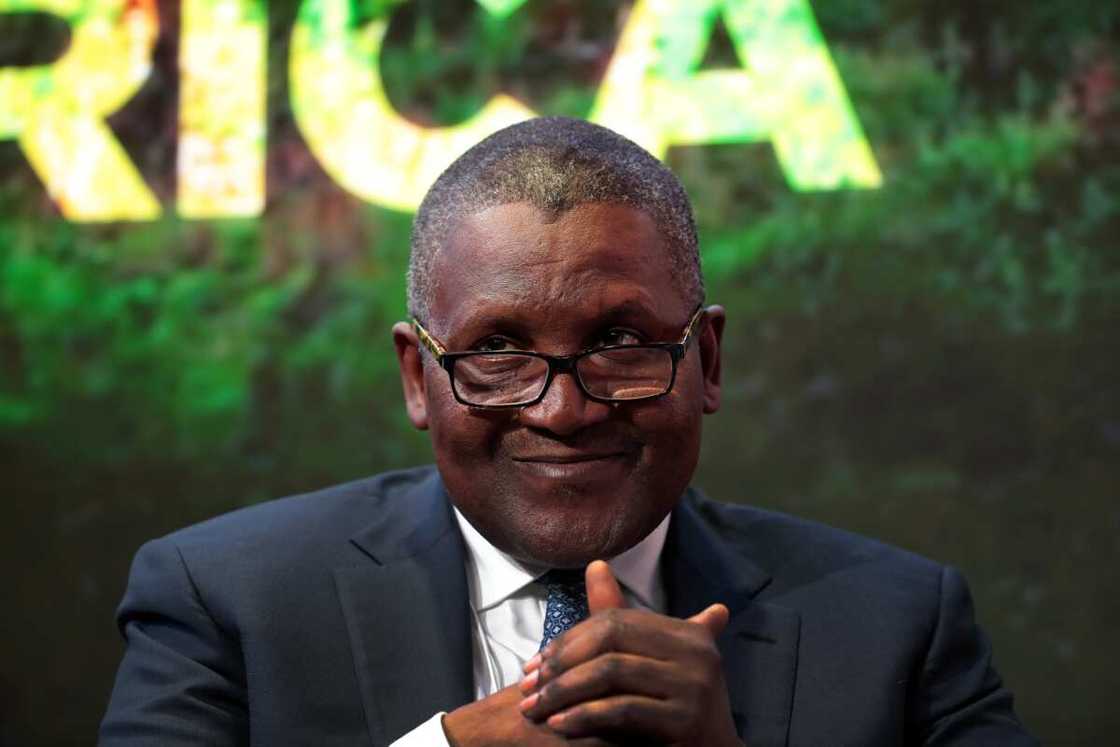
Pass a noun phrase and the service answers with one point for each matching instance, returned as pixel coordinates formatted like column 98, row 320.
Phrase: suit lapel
column 759, row 645
column 408, row 616
column 407, row 613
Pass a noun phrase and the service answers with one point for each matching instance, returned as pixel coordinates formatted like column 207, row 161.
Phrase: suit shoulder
column 248, row 564
column 796, row 550
column 327, row 515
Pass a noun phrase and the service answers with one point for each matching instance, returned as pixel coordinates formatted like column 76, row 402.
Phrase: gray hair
column 554, row 164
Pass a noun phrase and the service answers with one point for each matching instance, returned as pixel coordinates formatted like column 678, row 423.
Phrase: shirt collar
column 636, row 569
column 494, row 576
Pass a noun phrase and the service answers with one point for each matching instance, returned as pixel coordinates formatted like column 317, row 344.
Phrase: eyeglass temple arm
column 692, row 324
column 431, row 343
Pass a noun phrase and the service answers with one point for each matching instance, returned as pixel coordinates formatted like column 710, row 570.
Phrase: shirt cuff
column 428, row 734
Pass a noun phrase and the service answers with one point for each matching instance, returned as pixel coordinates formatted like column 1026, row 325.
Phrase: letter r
column 57, row 112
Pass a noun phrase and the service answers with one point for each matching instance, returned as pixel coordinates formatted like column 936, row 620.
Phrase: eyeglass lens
column 500, row 378
column 510, row 378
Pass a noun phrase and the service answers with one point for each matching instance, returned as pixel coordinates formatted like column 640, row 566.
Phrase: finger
column 610, row 674
column 714, row 618
column 627, row 631
column 621, row 715
column 603, row 592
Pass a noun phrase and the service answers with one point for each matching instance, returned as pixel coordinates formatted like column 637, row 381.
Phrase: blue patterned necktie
column 567, row 601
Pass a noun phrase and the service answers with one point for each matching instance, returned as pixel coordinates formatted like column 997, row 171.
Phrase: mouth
column 554, row 468
column 568, row 457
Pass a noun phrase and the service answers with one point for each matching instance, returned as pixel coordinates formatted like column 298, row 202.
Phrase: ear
column 711, row 340
column 412, row 374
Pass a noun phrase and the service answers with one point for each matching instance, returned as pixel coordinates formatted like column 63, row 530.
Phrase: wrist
column 472, row 725
column 449, row 722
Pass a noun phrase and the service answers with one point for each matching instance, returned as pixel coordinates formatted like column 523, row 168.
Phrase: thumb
column 603, row 592
column 714, row 618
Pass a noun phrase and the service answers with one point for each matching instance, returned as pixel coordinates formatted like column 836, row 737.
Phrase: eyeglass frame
column 558, row 363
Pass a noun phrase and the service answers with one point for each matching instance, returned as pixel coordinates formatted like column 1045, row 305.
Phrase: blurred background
column 922, row 341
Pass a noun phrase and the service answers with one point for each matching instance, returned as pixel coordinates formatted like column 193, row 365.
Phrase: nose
column 564, row 409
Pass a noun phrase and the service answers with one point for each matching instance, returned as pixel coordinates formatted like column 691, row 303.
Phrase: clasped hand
column 621, row 676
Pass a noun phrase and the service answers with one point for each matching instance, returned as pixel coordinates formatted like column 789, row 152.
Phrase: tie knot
column 564, row 577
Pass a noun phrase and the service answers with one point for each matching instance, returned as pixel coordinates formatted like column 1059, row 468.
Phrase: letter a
column 789, row 92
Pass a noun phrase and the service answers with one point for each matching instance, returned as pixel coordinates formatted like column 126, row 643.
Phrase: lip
column 568, row 458
column 549, row 470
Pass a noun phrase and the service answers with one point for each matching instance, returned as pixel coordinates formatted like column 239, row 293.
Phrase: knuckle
column 612, row 669
column 614, row 628
column 710, row 659
column 553, row 666
column 694, row 683
column 615, row 716
column 625, row 713
column 685, row 721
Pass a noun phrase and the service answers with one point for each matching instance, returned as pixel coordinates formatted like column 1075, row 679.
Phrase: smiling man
column 553, row 579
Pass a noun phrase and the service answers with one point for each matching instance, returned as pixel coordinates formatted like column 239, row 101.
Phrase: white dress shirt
column 508, row 610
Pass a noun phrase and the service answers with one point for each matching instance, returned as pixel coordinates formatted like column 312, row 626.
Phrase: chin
column 564, row 524
column 566, row 541
column 557, row 555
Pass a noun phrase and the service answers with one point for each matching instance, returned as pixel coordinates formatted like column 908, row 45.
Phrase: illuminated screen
column 911, row 212
column 787, row 91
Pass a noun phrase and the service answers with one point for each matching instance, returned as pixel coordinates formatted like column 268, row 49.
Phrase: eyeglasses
column 518, row 378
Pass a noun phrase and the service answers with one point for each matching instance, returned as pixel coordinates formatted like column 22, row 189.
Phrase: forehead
column 516, row 260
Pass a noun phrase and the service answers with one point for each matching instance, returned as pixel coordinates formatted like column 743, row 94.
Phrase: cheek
column 459, row 438
column 459, row 435
column 672, row 446
column 673, row 420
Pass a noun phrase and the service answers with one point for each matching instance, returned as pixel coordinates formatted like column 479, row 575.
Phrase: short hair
column 555, row 164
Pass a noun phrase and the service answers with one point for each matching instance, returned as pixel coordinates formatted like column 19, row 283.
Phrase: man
column 561, row 358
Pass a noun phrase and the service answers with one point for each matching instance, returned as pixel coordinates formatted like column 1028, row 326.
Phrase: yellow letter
column 789, row 93
column 58, row 111
column 349, row 124
column 222, row 61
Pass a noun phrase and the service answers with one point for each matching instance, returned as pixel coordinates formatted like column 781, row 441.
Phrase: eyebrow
column 514, row 320
column 631, row 309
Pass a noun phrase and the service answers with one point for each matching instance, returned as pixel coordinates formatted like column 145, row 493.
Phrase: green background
column 935, row 363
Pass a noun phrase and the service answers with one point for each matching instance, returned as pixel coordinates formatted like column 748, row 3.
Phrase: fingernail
column 532, row 663
column 528, row 702
column 556, row 720
column 529, row 681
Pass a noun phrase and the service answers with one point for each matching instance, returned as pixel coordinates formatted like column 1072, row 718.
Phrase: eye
column 617, row 336
column 493, row 344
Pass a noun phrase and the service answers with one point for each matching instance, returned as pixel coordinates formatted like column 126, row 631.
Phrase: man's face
column 568, row 479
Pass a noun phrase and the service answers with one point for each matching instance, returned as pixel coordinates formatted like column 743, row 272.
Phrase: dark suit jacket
column 341, row 618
